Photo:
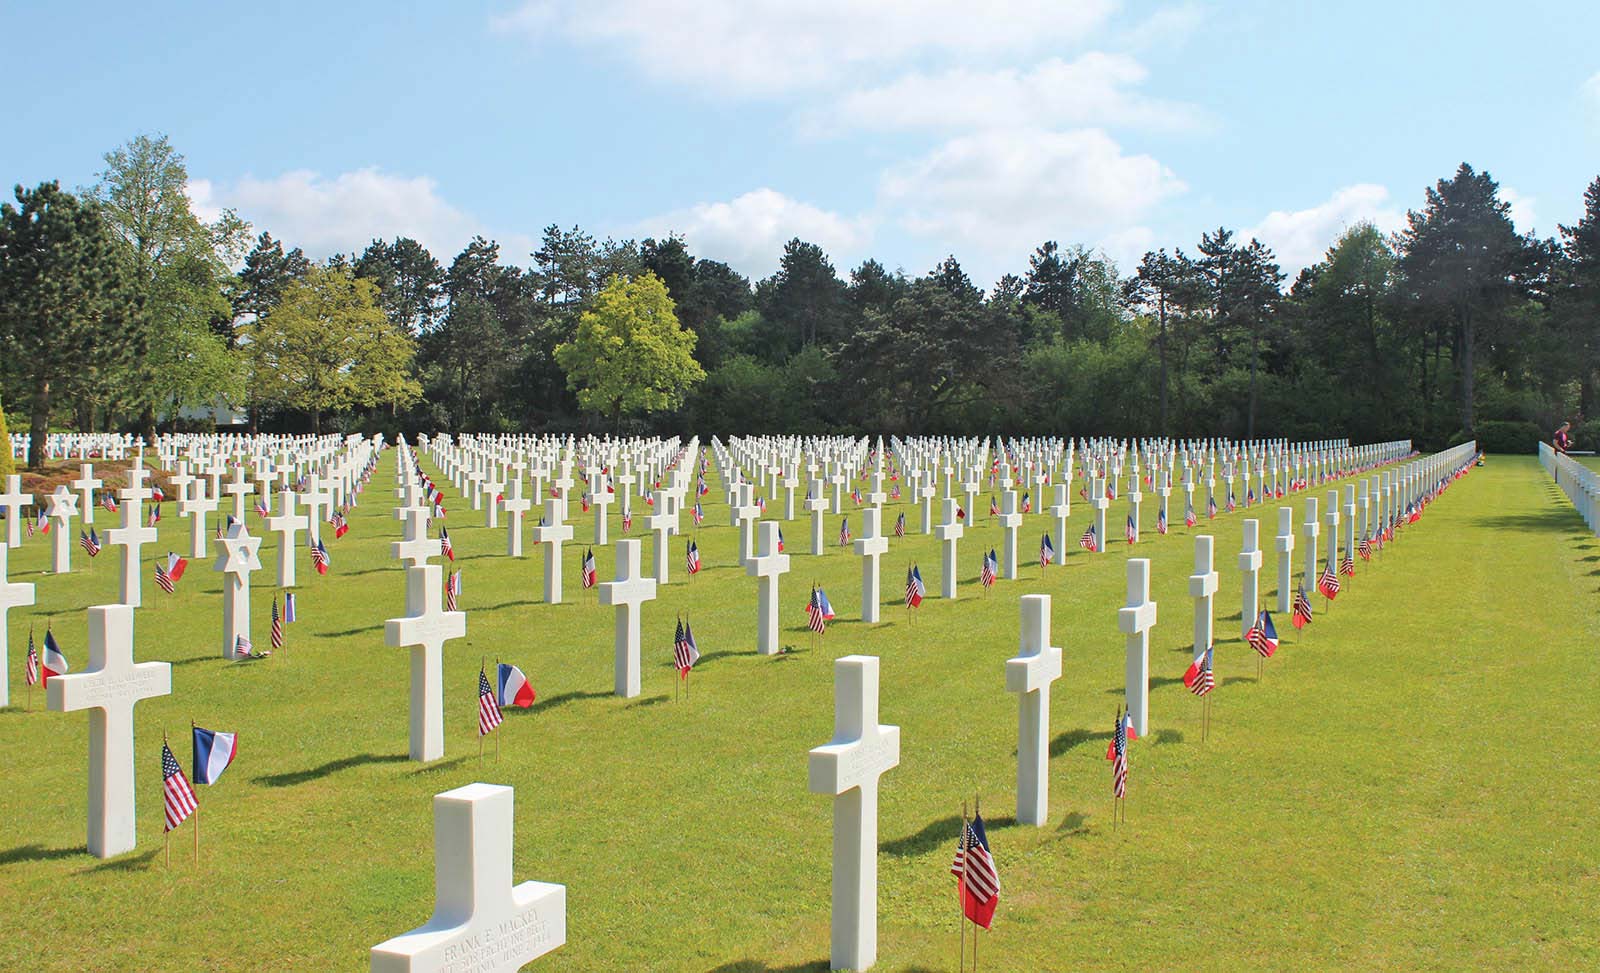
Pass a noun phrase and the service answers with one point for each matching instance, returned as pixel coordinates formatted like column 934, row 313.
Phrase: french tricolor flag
column 213, row 752
column 54, row 662
column 515, row 690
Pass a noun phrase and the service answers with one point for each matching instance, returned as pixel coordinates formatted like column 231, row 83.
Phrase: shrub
column 1508, row 436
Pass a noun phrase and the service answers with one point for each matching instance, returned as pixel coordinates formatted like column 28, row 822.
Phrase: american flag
column 341, row 526
column 1302, row 609
column 627, row 520
column 685, row 653
column 445, row 547
column 692, row 558
column 452, row 591
column 488, row 707
column 33, row 661
column 1347, row 565
column 155, row 516
column 1132, row 532
column 991, row 569
column 319, row 557
column 974, row 866
column 699, row 513
column 277, row 627
column 1161, row 520
column 900, row 526
column 163, row 579
column 1189, row 517
column 176, row 794
column 994, row 508
column 844, row 532
column 243, row 646
column 1087, row 540
column 109, row 502
column 1365, row 549
column 90, row 542
column 1200, row 679
column 1328, row 582
column 855, row 495
column 261, row 507
column 914, row 587
column 1047, row 550
column 1211, row 508
column 590, row 575
column 1119, row 758
column 1027, row 502
column 816, row 620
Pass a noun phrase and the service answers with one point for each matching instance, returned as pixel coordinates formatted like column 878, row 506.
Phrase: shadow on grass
column 759, row 966
column 1072, row 738
column 937, row 834
column 1155, row 683
column 1230, row 680
column 648, row 701
column 376, row 627
column 1074, row 824
column 440, row 765
column 508, row 604
column 129, row 863
column 1564, row 520
column 562, row 699
column 37, row 853
column 198, row 658
column 294, row 777
column 1168, row 736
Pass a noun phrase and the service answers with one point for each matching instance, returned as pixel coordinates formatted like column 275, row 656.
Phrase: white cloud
column 749, row 231
column 996, row 195
column 1300, row 238
column 1522, row 212
column 1090, row 90
column 344, row 213
column 1167, row 27
column 780, row 45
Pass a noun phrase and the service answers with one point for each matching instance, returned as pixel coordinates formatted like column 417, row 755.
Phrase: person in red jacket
column 1563, row 439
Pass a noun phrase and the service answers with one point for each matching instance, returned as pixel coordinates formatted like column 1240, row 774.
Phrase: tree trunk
column 39, row 423
column 316, row 422
column 147, row 424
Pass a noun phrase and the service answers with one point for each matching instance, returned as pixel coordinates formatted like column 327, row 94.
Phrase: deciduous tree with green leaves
column 328, row 347
column 629, row 355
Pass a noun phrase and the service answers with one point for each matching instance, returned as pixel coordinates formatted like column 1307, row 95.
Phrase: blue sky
column 900, row 129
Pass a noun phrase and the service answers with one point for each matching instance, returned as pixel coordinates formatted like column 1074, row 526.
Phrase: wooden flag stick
column 961, row 886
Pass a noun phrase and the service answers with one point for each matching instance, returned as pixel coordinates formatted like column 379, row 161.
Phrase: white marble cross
column 1101, row 503
column 237, row 557
column 1060, row 511
column 870, row 546
column 195, row 506
column 85, row 484
column 1010, row 521
column 1308, row 533
column 286, row 524
column 319, row 507
column 1203, row 588
column 238, row 490
column 425, row 633
column 1349, row 521
column 817, row 503
column 110, row 687
column 132, row 535
column 1285, row 560
column 1135, row 502
column 848, row 767
column 601, row 499
column 745, row 513
column 11, row 503
column 61, row 507
column 481, row 922
column 1249, row 575
column 630, row 590
column 1135, row 621
column 1029, row 675
column 551, row 536
column 1332, row 517
column 493, row 487
column 662, row 525
column 13, row 594
column 949, row 533
column 767, row 565
column 516, row 507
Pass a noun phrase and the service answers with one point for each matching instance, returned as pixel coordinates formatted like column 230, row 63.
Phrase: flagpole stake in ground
column 480, row 920
column 848, row 767
column 109, row 688
column 1029, row 675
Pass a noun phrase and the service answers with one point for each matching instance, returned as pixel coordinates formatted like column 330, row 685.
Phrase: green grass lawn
column 1410, row 787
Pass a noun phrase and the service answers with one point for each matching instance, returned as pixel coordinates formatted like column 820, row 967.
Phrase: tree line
column 120, row 309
